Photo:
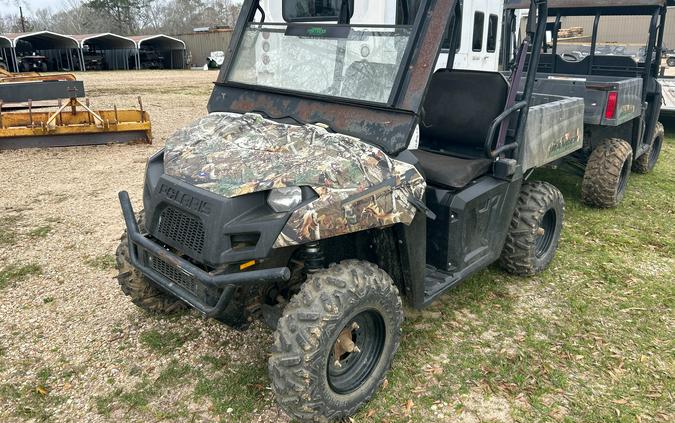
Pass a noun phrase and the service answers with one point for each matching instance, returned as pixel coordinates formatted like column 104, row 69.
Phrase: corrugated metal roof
column 43, row 40
column 105, row 40
column 158, row 39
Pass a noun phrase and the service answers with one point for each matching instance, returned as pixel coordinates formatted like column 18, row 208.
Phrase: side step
column 437, row 281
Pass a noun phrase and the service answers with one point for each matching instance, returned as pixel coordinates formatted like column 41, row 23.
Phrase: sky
column 32, row 5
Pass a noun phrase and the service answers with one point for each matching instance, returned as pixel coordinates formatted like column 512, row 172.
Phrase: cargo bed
column 597, row 92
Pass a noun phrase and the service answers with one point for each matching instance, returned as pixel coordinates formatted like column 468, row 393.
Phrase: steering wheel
column 569, row 57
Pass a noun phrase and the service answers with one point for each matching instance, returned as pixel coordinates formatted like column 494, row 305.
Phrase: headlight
column 284, row 199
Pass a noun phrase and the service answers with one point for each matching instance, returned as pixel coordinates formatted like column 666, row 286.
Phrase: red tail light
column 610, row 111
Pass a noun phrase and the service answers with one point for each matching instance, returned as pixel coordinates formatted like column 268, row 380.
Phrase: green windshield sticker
column 316, row 31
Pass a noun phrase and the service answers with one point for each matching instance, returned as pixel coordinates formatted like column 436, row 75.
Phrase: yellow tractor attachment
column 6, row 76
column 73, row 123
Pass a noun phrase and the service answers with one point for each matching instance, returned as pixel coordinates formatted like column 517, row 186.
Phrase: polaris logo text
column 185, row 200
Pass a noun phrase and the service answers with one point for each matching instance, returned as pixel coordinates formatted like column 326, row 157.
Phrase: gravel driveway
column 72, row 346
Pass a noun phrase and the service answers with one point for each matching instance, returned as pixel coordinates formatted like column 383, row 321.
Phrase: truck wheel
column 142, row 291
column 607, row 173
column 336, row 341
column 534, row 232
column 646, row 162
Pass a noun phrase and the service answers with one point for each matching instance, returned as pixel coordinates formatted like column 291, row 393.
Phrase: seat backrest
column 570, row 67
column 545, row 62
column 458, row 110
column 365, row 80
column 615, row 66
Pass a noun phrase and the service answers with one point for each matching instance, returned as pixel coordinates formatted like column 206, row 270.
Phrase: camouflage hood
column 359, row 186
column 231, row 155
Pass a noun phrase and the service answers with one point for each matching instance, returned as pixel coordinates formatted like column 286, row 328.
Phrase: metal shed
column 50, row 43
column 173, row 48
column 116, row 51
column 201, row 44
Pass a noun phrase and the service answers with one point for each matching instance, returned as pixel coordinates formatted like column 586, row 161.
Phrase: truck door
column 481, row 24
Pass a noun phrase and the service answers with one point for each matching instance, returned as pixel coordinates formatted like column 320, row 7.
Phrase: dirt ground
column 68, row 336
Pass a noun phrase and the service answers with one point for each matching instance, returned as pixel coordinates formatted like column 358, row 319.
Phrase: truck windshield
column 353, row 62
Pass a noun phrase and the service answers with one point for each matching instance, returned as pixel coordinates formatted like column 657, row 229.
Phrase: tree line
column 125, row 17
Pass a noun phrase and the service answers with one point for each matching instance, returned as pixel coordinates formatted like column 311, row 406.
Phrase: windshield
column 353, row 62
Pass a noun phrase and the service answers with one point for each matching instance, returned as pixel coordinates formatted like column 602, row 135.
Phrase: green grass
column 103, row 262
column 8, row 234
column 591, row 339
column 165, row 342
column 13, row 273
column 34, row 401
column 40, row 232
column 140, row 396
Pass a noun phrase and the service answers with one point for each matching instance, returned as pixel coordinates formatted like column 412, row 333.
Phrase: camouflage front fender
column 359, row 186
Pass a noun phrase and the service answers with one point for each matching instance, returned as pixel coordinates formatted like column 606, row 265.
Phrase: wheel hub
column 356, row 351
column 345, row 344
column 545, row 233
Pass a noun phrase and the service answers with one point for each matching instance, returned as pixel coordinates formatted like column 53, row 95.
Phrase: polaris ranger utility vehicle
column 323, row 194
column 622, row 95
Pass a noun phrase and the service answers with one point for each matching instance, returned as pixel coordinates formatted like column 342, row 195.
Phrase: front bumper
column 182, row 278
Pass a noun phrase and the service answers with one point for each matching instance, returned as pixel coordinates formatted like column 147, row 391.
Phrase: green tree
column 123, row 13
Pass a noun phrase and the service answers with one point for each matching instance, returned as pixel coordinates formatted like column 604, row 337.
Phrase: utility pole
column 23, row 22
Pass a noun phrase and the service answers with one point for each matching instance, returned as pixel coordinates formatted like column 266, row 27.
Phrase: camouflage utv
column 301, row 197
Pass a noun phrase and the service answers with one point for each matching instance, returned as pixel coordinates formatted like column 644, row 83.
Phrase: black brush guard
column 141, row 247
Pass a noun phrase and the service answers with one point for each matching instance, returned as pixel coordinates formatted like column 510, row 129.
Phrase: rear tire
column 647, row 161
column 534, row 233
column 312, row 376
column 607, row 173
column 142, row 291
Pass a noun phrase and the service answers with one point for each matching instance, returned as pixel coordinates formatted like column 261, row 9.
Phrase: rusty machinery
column 73, row 122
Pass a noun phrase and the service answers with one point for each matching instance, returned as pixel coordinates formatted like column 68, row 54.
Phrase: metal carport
column 5, row 47
column 117, row 49
column 45, row 41
column 162, row 43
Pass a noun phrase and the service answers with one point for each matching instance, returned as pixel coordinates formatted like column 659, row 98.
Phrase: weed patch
column 104, row 262
column 167, row 341
column 40, row 232
column 13, row 273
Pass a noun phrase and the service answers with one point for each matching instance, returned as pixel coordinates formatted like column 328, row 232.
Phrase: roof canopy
column 591, row 7
column 160, row 42
column 43, row 40
column 105, row 41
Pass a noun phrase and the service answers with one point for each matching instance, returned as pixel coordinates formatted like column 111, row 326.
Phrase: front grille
column 173, row 274
column 182, row 230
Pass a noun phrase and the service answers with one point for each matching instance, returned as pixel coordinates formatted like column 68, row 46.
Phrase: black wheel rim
column 546, row 233
column 368, row 332
column 654, row 153
column 623, row 178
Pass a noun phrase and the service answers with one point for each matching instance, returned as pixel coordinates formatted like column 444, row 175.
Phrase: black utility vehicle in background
column 302, row 198
column 620, row 88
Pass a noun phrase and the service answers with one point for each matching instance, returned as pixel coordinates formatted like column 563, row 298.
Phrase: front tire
column 316, row 372
column 647, row 161
column 607, row 173
column 534, row 233
column 142, row 291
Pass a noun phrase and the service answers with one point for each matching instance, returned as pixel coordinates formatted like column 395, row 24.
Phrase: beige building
column 623, row 29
